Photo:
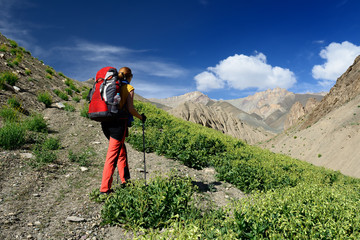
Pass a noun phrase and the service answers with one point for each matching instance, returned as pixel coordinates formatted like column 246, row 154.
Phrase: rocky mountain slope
column 347, row 87
column 272, row 105
column 218, row 118
column 172, row 102
column 298, row 111
column 329, row 135
column 261, row 115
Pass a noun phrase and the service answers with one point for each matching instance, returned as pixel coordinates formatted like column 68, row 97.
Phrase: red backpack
column 102, row 106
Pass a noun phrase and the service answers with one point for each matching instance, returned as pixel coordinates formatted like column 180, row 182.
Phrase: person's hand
column 143, row 117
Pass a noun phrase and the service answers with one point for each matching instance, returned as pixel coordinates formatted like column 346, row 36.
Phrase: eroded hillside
column 329, row 135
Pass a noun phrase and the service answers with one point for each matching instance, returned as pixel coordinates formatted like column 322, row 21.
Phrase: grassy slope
column 290, row 198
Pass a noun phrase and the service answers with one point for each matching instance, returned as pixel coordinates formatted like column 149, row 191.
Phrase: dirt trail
column 35, row 204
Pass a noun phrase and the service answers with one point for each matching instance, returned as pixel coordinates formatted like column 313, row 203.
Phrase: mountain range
column 263, row 114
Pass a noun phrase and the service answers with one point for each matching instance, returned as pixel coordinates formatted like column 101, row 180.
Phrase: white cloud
column 94, row 55
column 159, row 68
column 243, row 72
column 206, row 81
column 338, row 56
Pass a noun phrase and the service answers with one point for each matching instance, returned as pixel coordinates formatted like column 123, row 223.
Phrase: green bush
column 27, row 71
column 303, row 212
column 12, row 135
column 151, row 206
column 48, row 76
column 61, row 74
column 14, row 103
column 8, row 77
column 68, row 82
column 76, row 99
column 85, row 93
column 63, row 96
column 74, row 88
column 57, row 92
column 69, row 107
column 42, row 156
column 84, row 110
column 13, row 44
column 9, row 114
column 45, row 98
column 16, row 62
column 49, row 70
column 51, row 144
column 3, row 48
column 13, row 51
column 69, row 91
column 36, row 123
column 83, row 158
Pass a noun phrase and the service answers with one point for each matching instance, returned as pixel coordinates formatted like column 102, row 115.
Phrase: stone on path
column 75, row 219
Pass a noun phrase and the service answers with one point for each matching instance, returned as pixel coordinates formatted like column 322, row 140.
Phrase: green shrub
column 13, row 103
column 74, row 88
column 36, row 123
column 45, row 98
column 3, row 48
column 48, row 76
column 13, row 44
column 9, row 114
column 304, row 212
column 61, row 74
column 83, row 158
column 16, row 62
column 57, row 92
column 85, row 93
column 42, row 155
column 49, row 70
column 69, row 91
column 69, row 107
column 13, row 51
column 8, row 77
column 27, row 71
column 12, row 135
column 76, row 99
column 52, row 143
column 10, row 63
column 68, row 82
column 149, row 206
column 63, row 96
column 84, row 110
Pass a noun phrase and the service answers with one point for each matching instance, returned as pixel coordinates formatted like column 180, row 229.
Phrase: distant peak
column 195, row 96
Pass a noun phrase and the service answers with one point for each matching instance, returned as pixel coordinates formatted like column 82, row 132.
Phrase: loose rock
column 75, row 219
column 83, row 169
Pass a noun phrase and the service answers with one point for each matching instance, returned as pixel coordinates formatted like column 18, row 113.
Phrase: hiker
column 116, row 131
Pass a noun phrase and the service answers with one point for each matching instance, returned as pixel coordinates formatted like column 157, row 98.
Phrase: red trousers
column 116, row 155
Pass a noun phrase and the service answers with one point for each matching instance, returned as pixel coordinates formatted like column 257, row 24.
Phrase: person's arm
column 130, row 105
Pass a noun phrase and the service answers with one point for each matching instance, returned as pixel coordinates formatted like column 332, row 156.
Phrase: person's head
column 125, row 73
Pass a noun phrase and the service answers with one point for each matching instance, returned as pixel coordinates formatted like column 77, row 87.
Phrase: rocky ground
column 53, row 202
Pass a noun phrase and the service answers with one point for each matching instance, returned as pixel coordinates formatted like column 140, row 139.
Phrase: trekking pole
column 143, row 128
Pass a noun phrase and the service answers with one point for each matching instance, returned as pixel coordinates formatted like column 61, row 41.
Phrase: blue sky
column 226, row 49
